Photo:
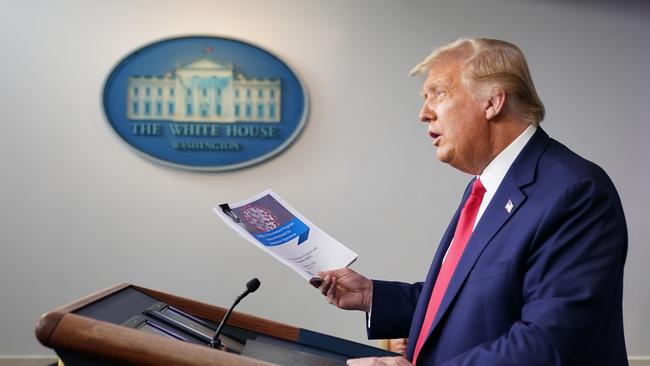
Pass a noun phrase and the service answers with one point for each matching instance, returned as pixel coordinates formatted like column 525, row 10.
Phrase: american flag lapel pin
column 509, row 206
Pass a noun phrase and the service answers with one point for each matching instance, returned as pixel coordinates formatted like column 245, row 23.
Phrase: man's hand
column 346, row 289
column 379, row 361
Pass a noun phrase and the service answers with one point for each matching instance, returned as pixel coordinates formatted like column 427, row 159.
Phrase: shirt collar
column 494, row 173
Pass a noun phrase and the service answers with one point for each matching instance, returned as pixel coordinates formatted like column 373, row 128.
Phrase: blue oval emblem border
column 205, row 103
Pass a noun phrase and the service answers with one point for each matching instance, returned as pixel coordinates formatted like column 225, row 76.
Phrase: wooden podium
column 92, row 331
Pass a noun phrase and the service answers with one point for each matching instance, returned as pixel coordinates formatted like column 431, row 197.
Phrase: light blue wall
column 81, row 210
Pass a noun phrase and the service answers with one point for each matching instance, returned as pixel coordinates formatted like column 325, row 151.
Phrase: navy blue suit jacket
column 540, row 285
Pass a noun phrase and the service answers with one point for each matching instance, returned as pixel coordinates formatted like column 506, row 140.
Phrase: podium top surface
column 79, row 327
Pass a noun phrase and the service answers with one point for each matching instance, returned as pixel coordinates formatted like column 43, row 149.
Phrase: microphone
column 251, row 286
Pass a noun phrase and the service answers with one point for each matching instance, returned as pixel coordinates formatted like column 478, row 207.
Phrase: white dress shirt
column 494, row 173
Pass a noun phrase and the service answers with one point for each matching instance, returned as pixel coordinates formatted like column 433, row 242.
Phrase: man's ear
column 495, row 104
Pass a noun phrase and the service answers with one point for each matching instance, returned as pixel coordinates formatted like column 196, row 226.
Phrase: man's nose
column 426, row 114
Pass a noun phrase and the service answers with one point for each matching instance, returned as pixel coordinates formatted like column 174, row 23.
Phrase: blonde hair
column 494, row 63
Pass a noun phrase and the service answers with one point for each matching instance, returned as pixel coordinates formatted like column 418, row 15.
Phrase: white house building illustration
column 203, row 90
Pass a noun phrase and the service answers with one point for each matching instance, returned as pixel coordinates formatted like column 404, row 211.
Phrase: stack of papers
column 271, row 224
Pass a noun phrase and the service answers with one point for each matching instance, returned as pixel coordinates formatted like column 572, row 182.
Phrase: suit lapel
column 509, row 193
column 494, row 217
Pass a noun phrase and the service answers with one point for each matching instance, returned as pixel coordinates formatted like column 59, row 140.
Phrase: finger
column 316, row 281
column 366, row 361
column 331, row 293
column 322, row 274
column 335, row 272
column 394, row 361
column 325, row 286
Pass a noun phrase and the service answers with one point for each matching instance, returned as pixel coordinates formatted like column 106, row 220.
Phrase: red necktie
column 461, row 237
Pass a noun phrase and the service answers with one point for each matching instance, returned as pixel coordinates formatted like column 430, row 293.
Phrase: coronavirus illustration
column 260, row 218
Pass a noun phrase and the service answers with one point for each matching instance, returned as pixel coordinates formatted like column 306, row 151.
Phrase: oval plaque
column 205, row 103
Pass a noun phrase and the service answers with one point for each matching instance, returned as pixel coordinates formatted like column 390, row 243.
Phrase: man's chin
column 443, row 156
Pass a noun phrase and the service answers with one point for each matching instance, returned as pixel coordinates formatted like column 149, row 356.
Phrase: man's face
column 456, row 119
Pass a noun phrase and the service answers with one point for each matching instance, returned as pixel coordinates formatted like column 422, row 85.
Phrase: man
column 530, row 269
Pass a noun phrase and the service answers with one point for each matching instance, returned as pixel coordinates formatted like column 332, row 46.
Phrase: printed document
column 272, row 225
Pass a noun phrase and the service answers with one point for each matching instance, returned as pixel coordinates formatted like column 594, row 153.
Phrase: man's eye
column 438, row 92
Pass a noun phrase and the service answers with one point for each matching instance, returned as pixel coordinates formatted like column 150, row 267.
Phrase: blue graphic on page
column 271, row 223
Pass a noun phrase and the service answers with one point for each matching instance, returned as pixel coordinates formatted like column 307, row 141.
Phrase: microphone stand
column 216, row 342
column 251, row 286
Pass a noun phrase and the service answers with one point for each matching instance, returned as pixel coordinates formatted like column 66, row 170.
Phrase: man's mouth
column 435, row 137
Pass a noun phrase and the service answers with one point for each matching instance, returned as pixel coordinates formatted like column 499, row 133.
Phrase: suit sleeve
column 572, row 281
column 393, row 304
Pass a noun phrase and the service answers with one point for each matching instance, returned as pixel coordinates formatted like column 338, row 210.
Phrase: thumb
column 334, row 273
